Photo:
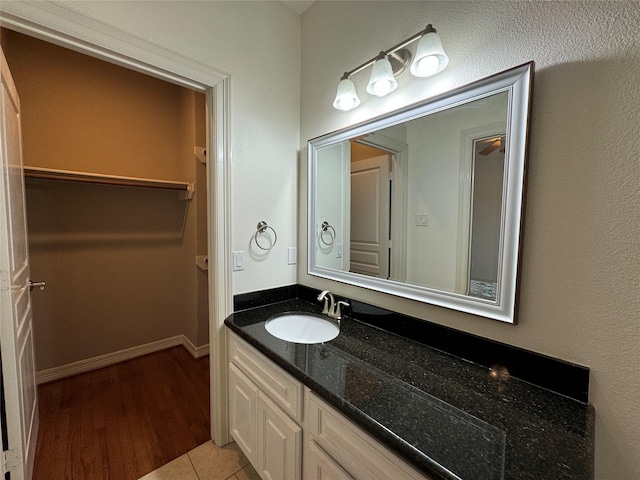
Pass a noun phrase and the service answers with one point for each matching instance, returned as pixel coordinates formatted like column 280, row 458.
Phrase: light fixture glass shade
column 430, row 57
column 346, row 96
column 382, row 81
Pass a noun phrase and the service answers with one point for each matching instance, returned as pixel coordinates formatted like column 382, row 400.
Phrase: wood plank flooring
column 122, row 422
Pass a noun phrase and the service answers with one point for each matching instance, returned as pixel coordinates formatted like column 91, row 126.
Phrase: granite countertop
column 450, row 418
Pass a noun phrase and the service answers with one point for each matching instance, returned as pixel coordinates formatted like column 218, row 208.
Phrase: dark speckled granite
column 557, row 375
column 553, row 374
column 449, row 417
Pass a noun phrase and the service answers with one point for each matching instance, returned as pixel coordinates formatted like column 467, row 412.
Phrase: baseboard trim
column 197, row 352
column 108, row 359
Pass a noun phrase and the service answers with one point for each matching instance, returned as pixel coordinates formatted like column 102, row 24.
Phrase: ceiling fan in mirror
column 489, row 145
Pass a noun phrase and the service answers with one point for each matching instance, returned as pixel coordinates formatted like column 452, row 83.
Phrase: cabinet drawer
column 360, row 455
column 283, row 389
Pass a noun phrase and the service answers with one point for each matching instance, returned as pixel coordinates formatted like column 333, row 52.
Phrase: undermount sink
column 302, row 328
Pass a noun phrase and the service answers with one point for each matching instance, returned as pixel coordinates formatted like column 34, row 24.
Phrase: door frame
column 382, row 164
column 58, row 25
column 465, row 198
column 400, row 174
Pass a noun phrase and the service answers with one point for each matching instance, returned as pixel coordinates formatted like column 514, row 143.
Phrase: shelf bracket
column 201, row 154
column 187, row 195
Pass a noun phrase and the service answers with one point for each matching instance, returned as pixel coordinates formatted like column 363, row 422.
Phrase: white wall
column 434, row 189
column 332, row 177
column 258, row 43
column 580, row 272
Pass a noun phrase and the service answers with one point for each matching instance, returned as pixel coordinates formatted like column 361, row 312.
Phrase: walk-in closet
column 116, row 208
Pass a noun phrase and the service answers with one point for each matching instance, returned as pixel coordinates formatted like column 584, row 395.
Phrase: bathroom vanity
column 373, row 404
column 266, row 417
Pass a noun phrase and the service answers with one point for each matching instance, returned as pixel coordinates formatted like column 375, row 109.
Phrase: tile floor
column 207, row 462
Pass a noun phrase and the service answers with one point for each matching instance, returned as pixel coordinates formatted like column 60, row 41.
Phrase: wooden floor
column 122, row 422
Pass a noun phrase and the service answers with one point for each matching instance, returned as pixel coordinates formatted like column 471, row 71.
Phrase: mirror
column 426, row 202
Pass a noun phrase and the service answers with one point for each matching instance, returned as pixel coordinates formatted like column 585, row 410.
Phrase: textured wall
column 581, row 267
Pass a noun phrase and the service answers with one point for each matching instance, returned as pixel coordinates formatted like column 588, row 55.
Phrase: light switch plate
column 292, row 255
column 238, row 261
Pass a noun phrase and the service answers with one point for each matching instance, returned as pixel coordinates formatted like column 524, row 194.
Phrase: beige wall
column 581, row 261
column 119, row 262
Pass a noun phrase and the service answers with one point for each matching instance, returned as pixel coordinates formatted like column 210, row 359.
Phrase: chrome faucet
column 331, row 307
column 327, row 296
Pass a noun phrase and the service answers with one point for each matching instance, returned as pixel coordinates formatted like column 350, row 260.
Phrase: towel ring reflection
column 325, row 229
column 262, row 229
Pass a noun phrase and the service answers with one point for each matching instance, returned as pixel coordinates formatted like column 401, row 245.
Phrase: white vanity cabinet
column 337, row 449
column 279, row 442
column 243, row 412
column 265, row 411
column 266, row 420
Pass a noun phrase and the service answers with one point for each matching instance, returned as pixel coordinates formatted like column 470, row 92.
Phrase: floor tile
column 214, row 463
column 179, row 469
column 247, row 473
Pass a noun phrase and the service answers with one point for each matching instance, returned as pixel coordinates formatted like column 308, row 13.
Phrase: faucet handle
column 338, row 310
column 325, row 310
column 325, row 295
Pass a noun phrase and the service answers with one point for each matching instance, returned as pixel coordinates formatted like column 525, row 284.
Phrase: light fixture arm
column 429, row 59
column 393, row 49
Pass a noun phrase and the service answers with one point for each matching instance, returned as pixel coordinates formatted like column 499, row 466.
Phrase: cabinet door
column 359, row 454
column 243, row 414
column 279, row 443
column 320, row 466
column 281, row 387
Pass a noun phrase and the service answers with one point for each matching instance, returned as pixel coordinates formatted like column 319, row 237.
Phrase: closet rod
column 68, row 175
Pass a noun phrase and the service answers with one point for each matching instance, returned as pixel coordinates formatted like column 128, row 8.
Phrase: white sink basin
column 301, row 328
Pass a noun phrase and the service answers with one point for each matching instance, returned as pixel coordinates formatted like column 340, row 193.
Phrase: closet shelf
column 185, row 188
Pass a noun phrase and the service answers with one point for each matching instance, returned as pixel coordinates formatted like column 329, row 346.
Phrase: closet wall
column 119, row 262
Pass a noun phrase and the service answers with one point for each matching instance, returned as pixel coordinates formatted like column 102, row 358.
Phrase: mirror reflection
column 423, row 200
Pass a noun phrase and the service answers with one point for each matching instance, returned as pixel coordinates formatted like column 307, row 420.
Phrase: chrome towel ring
column 262, row 229
column 325, row 229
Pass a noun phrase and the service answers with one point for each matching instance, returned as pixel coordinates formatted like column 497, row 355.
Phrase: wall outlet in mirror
column 422, row 220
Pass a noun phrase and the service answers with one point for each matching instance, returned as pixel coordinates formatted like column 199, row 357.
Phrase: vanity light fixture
column 430, row 57
column 382, row 81
column 429, row 60
column 346, row 97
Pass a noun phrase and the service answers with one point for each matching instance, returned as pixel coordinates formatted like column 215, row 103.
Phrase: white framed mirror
column 427, row 202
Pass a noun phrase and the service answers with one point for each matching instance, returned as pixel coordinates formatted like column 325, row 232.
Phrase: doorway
column 78, row 32
column 119, row 258
column 486, row 204
column 81, row 34
column 370, row 215
column 393, row 184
